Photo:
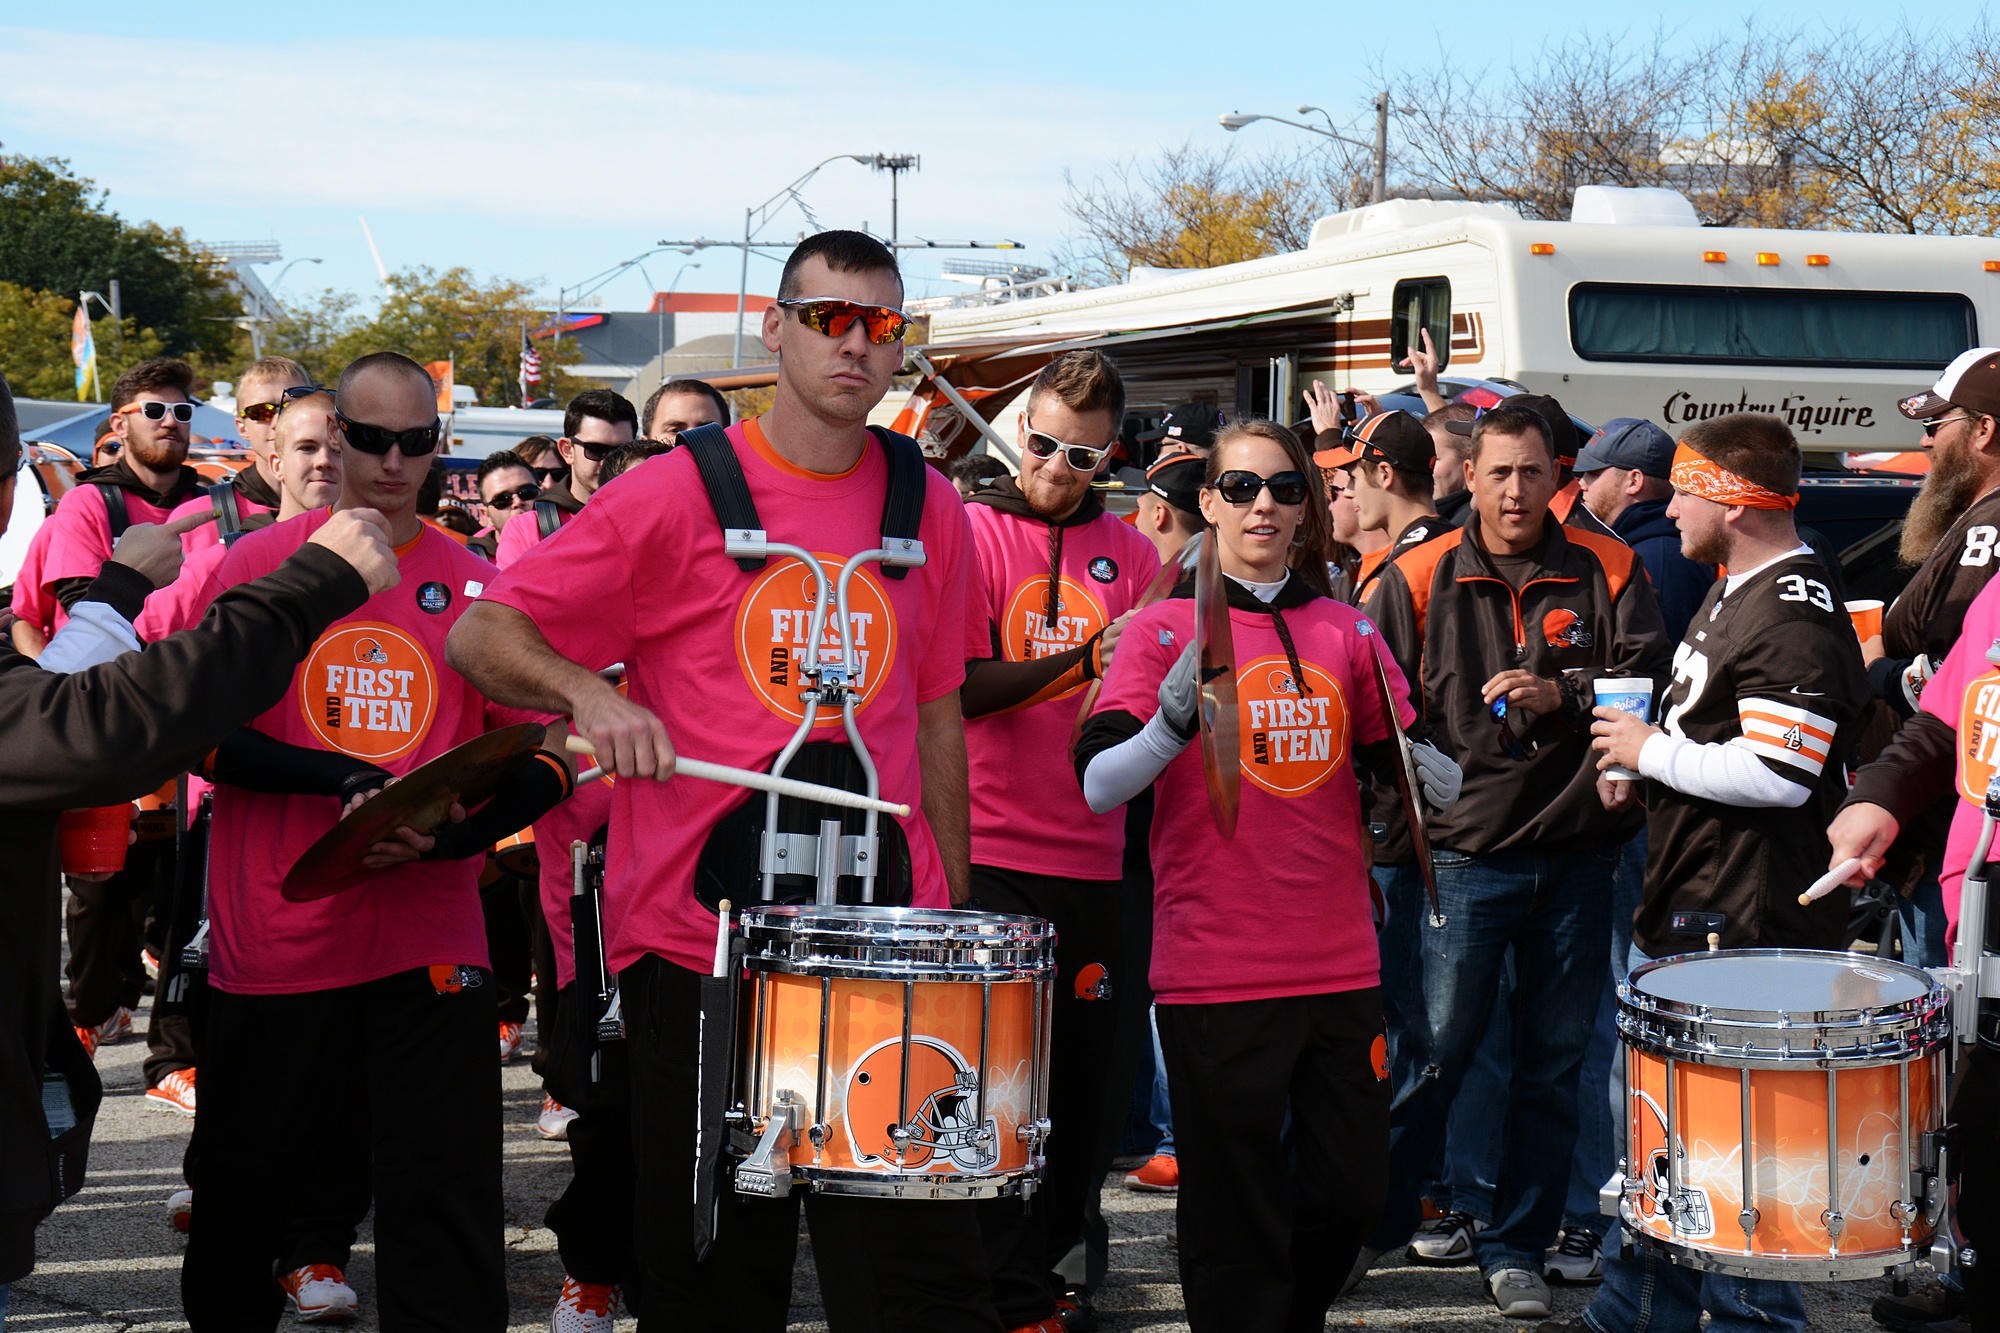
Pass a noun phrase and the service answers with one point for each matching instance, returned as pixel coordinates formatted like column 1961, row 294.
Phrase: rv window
column 1420, row 303
column 1736, row 325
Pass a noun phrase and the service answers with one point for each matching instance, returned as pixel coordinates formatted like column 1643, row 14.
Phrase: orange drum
column 894, row 1052
column 1804, row 1094
column 156, row 819
column 516, row 854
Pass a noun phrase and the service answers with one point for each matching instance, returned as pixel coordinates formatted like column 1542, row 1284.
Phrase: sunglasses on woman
column 264, row 412
column 1241, row 487
column 520, row 495
column 157, row 411
column 379, row 440
column 825, row 314
column 1084, row 458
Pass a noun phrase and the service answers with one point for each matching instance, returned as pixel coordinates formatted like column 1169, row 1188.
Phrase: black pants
column 1975, row 1142
column 510, row 941
column 1024, row 1243
column 420, row 1051
column 1271, row 1218
column 593, row 1218
column 107, row 923
column 885, row 1266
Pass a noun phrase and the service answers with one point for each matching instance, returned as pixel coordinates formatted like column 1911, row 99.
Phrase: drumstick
column 745, row 777
column 721, row 940
column 1830, row 881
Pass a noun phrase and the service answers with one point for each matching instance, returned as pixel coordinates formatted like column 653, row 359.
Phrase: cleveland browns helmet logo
column 943, row 1129
column 1562, row 629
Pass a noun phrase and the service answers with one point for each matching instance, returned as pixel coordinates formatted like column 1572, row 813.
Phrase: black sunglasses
column 521, row 495
column 378, row 440
column 1240, row 487
column 1936, row 424
column 596, row 453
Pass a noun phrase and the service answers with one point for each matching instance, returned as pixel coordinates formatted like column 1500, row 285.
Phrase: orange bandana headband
column 1709, row 480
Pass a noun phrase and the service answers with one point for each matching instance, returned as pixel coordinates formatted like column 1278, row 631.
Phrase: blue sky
column 548, row 142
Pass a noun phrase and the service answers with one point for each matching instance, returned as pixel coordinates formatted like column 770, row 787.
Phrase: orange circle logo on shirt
column 775, row 618
column 368, row 690
column 1026, row 633
column 1292, row 741
column 1978, row 736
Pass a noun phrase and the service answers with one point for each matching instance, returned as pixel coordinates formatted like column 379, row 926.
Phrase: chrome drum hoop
column 916, row 1185
column 897, row 943
column 1702, row 1031
column 1776, row 1268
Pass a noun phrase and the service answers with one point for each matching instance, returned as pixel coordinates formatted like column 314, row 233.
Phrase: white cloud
column 608, row 133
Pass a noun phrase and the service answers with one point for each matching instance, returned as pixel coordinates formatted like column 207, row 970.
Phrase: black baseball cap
column 1562, row 431
column 1629, row 442
column 1189, row 425
column 1176, row 477
column 1971, row 382
column 1398, row 439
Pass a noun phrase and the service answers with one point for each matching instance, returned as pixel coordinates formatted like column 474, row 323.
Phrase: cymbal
column 421, row 799
column 1406, row 778
column 1221, row 748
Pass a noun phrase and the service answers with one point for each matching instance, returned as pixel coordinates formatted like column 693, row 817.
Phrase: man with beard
column 1061, row 577
column 151, row 406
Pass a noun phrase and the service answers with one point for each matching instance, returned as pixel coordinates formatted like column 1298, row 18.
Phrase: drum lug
column 1747, row 1219
column 1034, row 1134
column 767, row 1172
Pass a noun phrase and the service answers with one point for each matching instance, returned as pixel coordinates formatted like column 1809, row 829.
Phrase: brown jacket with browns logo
column 1453, row 622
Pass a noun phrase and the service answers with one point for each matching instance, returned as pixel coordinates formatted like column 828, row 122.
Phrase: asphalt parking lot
column 109, row 1261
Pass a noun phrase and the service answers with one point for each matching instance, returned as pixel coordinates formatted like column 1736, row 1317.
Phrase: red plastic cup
column 93, row 840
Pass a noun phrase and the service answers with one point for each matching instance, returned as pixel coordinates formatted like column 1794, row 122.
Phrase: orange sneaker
column 174, row 1093
column 87, row 1038
column 319, row 1294
column 510, row 1041
column 584, row 1307
column 1049, row 1325
column 1162, row 1175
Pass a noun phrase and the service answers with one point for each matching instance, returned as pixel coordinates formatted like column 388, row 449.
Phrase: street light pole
column 1236, row 120
column 1381, row 146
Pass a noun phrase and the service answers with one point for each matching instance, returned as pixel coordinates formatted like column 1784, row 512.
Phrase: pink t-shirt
column 1027, row 811
column 374, row 686
column 640, row 577
column 578, row 818
column 522, row 534
column 181, row 604
column 81, row 541
column 1283, row 908
column 1964, row 693
column 209, row 534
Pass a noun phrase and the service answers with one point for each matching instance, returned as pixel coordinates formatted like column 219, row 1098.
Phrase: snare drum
column 1803, row 1093
column 894, row 1052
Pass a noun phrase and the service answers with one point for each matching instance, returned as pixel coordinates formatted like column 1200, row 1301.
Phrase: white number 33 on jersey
column 1799, row 588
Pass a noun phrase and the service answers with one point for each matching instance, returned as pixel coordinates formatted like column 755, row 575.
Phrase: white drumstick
column 745, row 777
column 1830, row 881
column 721, row 940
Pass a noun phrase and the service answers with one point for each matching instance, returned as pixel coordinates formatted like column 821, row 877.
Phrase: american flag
column 531, row 372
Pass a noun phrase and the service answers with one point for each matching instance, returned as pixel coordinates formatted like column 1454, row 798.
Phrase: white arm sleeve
column 93, row 635
column 1729, row 771
column 1118, row 774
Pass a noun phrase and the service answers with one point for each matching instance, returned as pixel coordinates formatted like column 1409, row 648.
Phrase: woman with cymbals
column 1265, row 964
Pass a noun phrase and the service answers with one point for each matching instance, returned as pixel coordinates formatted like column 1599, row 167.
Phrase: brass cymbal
column 421, row 799
column 1221, row 747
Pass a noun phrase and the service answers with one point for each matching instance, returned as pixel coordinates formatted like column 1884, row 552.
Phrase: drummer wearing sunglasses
column 596, row 422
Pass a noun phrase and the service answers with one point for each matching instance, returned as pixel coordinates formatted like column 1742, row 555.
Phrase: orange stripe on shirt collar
column 1706, row 478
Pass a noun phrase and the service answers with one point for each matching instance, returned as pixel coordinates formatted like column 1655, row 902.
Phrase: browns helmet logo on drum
column 943, row 1121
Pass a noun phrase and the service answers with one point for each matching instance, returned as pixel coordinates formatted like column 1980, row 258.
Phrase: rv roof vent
column 1396, row 213
column 1646, row 206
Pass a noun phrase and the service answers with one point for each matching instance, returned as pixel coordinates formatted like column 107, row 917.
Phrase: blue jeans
column 1555, row 911
column 1924, row 925
column 1162, row 1114
column 1600, row 1135
column 1647, row 1294
column 1472, row 1135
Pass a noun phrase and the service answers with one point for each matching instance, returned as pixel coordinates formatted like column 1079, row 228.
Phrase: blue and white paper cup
column 1632, row 694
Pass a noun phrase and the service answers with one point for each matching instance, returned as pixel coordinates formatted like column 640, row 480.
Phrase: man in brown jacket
column 1503, row 626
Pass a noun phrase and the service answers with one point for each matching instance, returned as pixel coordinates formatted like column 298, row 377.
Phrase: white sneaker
column 320, row 1295
column 1519, row 1294
column 180, row 1211
column 553, row 1122
column 1578, row 1257
column 1445, row 1242
column 584, row 1307
column 116, row 1027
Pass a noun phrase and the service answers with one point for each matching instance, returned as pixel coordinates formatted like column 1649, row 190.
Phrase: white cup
column 1631, row 694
